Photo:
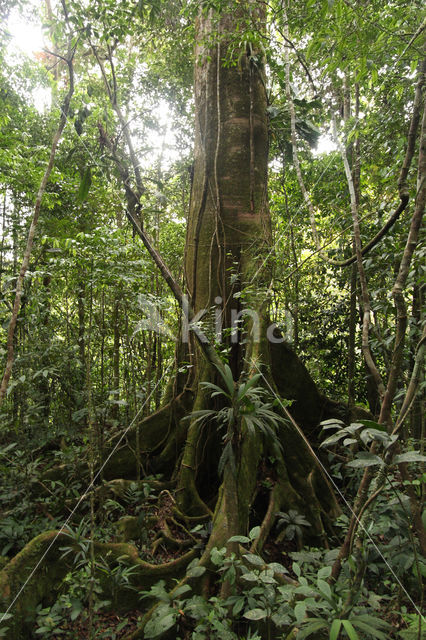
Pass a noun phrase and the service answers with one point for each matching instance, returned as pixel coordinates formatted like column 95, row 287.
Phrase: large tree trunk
column 227, row 271
column 228, row 233
column 227, row 274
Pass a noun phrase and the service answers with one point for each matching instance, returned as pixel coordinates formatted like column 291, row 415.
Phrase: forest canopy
column 212, row 392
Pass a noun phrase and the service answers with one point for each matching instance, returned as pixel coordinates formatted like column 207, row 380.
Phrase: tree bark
column 228, row 233
column 227, row 275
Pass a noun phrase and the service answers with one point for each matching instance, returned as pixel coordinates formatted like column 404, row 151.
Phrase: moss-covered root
column 34, row 575
column 30, row 577
column 230, row 516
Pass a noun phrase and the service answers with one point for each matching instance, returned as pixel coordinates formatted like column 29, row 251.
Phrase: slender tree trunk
column 32, row 231
column 417, row 412
column 3, row 232
column 116, row 356
column 45, row 359
column 352, row 336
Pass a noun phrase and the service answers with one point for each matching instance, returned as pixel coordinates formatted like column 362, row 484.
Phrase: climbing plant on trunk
column 228, row 248
column 225, row 421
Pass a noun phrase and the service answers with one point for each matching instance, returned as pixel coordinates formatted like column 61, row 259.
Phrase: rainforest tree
column 231, row 441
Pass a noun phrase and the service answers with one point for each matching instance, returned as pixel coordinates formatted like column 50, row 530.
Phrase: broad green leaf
column 409, row 456
column 241, row 539
column 350, row 630
column 324, row 587
column 238, row 606
column 253, row 559
column 374, row 621
column 305, row 590
column 300, row 611
column 250, row 577
column 182, row 589
column 195, row 572
column 332, row 423
column 324, row 572
column 371, row 424
column 267, row 579
column 333, row 439
column 255, row 614
column 281, row 620
column 311, row 627
column 217, row 556
column 159, row 625
column 365, row 459
column 85, row 183
column 354, row 427
column 335, row 629
column 372, row 631
column 75, row 612
column 374, row 434
column 254, row 533
column 277, row 567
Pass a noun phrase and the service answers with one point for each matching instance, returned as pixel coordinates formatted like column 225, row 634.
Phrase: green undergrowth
column 285, row 592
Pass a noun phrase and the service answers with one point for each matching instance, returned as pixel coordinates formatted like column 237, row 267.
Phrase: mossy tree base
column 228, row 243
column 35, row 574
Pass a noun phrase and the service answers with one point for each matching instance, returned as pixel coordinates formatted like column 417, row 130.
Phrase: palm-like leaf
column 247, row 406
column 227, row 377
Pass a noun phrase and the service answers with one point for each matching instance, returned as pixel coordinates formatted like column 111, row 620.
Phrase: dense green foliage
column 97, row 328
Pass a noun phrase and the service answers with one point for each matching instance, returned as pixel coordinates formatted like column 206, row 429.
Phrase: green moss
column 35, row 574
column 128, row 528
column 31, row 577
